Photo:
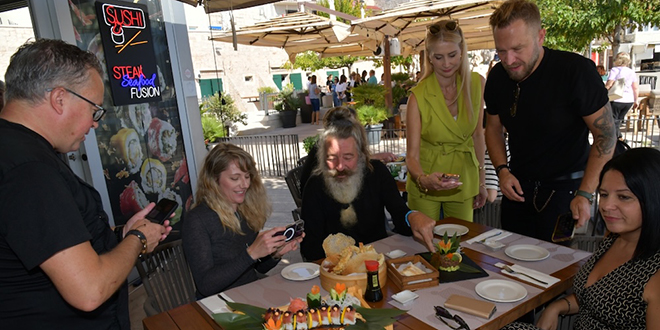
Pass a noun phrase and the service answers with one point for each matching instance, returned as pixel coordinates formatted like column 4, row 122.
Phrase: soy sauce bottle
column 373, row 293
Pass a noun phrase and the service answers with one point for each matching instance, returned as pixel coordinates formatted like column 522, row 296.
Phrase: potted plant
column 371, row 116
column 287, row 104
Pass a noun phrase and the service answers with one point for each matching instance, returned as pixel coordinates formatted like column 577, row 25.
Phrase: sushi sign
column 129, row 52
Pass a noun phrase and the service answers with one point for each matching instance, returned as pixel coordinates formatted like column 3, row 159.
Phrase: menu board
column 129, row 52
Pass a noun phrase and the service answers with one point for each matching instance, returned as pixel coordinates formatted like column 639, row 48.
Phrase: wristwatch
column 143, row 239
column 588, row 196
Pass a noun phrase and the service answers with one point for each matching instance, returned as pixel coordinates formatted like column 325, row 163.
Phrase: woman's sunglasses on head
column 447, row 25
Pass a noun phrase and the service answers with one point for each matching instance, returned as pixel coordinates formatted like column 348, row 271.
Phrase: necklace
column 445, row 94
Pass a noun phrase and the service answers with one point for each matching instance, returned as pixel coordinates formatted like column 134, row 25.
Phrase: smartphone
column 162, row 211
column 564, row 228
column 292, row 231
column 449, row 176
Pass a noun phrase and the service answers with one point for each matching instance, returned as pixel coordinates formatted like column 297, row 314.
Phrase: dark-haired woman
column 619, row 286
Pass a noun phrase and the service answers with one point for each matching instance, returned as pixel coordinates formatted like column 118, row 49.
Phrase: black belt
column 570, row 176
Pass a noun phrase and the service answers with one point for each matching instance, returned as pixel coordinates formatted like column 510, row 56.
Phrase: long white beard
column 345, row 192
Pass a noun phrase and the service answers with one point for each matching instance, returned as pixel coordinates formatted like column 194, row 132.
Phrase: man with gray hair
column 348, row 193
column 61, row 265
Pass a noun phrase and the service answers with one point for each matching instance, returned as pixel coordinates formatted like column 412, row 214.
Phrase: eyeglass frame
column 514, row 107
column 98, row 113
column 444, row 26
column 446, row 314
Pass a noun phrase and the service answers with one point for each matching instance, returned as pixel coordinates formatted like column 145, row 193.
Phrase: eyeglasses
column 441, row 313
column 98, row 113
column 447, row 25
column 514, row 107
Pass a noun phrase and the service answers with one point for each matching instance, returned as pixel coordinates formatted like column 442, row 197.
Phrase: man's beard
column 345, row 191
column 528, row 67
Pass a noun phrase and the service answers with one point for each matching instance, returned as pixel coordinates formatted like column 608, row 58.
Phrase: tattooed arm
column 601, row 125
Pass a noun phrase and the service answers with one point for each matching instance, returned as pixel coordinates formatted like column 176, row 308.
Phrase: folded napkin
column 489, row 234
column 551, row 280
column 214, row 304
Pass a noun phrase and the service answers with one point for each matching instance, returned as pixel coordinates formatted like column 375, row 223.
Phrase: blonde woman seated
column 221, row 234
column 619, row 286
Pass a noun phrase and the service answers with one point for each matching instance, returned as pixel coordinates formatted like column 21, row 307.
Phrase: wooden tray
column 404, row 282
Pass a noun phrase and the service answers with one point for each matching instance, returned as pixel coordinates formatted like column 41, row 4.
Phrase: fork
column 511, row 271
column 491, row 236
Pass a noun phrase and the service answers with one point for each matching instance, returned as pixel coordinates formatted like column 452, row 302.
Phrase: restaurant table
column 563, row 263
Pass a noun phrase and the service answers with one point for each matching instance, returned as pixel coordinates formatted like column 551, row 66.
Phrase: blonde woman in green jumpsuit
column 444, row 130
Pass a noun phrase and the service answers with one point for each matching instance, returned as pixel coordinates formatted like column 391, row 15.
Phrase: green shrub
column 267, row 90
column 286, row 100
column 369, row 94
column 309, row 142
column 400, row 77
column 212, row 128
column 371, row 115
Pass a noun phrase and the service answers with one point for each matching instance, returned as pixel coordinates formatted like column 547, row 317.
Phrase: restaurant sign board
column 129, row 52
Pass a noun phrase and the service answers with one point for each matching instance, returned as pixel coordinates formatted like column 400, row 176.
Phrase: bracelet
column 407, row 214
column 482, row 185
column 419, row 184
column 501, row 167
column 481, row 168
column 588, row 196
column 569, row 305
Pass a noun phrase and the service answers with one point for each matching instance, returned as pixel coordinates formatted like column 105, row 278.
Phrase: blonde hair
column 439, row 32
column 255, row 209
column 622, row 59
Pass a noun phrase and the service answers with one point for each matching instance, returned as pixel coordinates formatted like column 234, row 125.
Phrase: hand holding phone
column 450, row 177
column 292, row 231
column 564, row 228
column 162, row 211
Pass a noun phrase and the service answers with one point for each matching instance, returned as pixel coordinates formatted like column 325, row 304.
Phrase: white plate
column 501, row 290
column 405, row 296
column 301, row 271
column 450, row 229
column 526, row 252
column 395, row 254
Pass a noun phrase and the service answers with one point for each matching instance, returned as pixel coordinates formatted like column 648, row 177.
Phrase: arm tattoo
column 604, row 139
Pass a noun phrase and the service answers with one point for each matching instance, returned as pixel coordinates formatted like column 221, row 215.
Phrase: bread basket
column 328, row 280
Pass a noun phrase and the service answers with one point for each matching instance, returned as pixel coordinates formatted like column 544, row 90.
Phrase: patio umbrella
column 295, row 33
column 407, row 22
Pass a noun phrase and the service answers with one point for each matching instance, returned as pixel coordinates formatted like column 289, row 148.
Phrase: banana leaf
column 233, row 321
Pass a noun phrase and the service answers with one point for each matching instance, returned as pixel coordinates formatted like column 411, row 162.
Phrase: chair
column 166, row 277
column 489, row 215
column 293, row 182
column 586, row 243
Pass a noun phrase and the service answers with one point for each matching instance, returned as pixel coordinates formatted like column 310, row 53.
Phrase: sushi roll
column 325, row 315
column 335, row 315
column 136, row 116
column 288, row 320
column 129, row 150
column 132, row 199
column 162, row 139
column 301, row 320
column 154, row 175
column 347, row 316
column 314, row 318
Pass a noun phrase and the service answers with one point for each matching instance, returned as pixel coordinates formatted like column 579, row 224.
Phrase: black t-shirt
column 44, row 209
column 548, row 137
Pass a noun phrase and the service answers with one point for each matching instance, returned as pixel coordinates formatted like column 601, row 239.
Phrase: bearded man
column 348, row 194
column 548, row 101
